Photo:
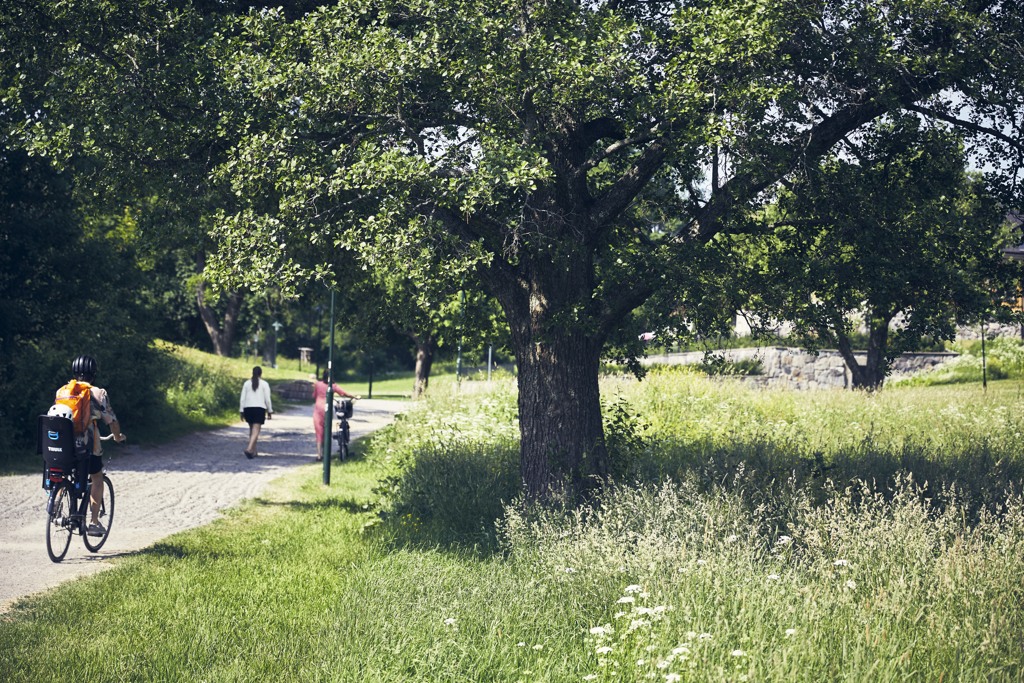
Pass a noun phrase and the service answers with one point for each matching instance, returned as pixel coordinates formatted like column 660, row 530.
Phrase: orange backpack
column 77, row 396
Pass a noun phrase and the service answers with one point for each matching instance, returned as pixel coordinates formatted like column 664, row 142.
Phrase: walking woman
column 320, row 410
column 255, row 407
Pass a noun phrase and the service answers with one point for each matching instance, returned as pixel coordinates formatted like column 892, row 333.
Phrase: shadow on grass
column 171, row 551
column 349, row 505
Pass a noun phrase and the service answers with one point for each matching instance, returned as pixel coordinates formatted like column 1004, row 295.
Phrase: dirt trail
column 161, row 490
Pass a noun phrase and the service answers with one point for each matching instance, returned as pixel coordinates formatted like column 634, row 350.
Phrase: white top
column 260, row 398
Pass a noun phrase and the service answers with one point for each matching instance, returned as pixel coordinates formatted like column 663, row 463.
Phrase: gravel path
column 161, row 490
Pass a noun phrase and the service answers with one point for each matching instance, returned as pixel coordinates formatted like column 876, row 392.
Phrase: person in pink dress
column 320, row 407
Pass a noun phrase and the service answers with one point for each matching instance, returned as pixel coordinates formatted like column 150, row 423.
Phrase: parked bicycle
column 69, row 500
column 342, row 412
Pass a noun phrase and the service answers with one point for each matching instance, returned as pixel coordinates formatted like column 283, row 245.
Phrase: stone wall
column 795, row 368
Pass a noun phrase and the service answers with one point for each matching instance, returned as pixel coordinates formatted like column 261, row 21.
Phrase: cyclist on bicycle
column 84, row 369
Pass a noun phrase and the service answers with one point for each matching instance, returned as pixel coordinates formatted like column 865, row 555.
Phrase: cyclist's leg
column 95, row 487
column 98, row 532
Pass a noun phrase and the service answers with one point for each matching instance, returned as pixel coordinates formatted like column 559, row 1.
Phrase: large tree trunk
column 871, row 375
column 558, row 350
column 563, row 450
column 425, row 349
column 222, row 333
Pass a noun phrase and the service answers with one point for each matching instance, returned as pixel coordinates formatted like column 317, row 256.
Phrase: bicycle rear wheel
column 58, row 522
column 343, row 438
column 106, row 517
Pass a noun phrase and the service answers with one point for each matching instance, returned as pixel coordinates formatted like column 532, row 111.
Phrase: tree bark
column 425, row 349
column 563, row 451
column 222, row 333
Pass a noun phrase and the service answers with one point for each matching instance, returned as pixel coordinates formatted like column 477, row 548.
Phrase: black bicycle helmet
column 84, row 368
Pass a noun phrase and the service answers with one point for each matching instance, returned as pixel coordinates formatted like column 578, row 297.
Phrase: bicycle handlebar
column 108, row 437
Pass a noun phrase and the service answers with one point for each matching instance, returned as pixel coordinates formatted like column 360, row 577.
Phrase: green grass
column 756, row 535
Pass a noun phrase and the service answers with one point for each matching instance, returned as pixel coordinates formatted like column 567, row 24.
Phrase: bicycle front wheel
column 343, row 443
column 58, row 523
column 106, row 517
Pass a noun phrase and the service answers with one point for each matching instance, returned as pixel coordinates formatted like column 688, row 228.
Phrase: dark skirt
column 255, row 416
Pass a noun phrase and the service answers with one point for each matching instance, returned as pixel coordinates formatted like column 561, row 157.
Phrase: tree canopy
column 890, row 232
column 528, row 139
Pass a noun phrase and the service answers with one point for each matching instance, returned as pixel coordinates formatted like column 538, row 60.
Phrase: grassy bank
column 755, row 535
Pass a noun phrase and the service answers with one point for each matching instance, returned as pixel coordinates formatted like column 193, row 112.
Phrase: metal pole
column 462, row 319
column 329, row 407
column 319, row 340
column 369, row 390
column 984, row 366
column 490, row 355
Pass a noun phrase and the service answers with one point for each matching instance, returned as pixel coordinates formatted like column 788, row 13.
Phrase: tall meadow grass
column 751, row 534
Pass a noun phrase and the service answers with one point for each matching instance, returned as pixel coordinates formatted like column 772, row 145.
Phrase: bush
column 454, row 463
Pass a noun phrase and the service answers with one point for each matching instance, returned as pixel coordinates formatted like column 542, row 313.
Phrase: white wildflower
column 450, row 621
column 739, row 653
column 790, row 632
column 538, row 647
column 599, row 630
column 851, row 585
column 633, row 588
column 841, row 563
column 785, row 540
column 638, row 623
column 603, row 650
column 774, row 577
column 625, row 599
column 673, row 678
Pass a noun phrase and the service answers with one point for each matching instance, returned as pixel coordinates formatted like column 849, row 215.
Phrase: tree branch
column 611, row 205
column 816, row 143
column 969, row 125
column 619, row 145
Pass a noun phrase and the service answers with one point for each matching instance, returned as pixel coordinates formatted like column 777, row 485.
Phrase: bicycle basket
column 343, row 408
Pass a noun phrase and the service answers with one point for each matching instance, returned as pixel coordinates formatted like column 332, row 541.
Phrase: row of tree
column 591, row 166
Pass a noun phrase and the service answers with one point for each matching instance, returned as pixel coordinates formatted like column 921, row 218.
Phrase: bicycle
column 342, row 412
column 69, row 499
